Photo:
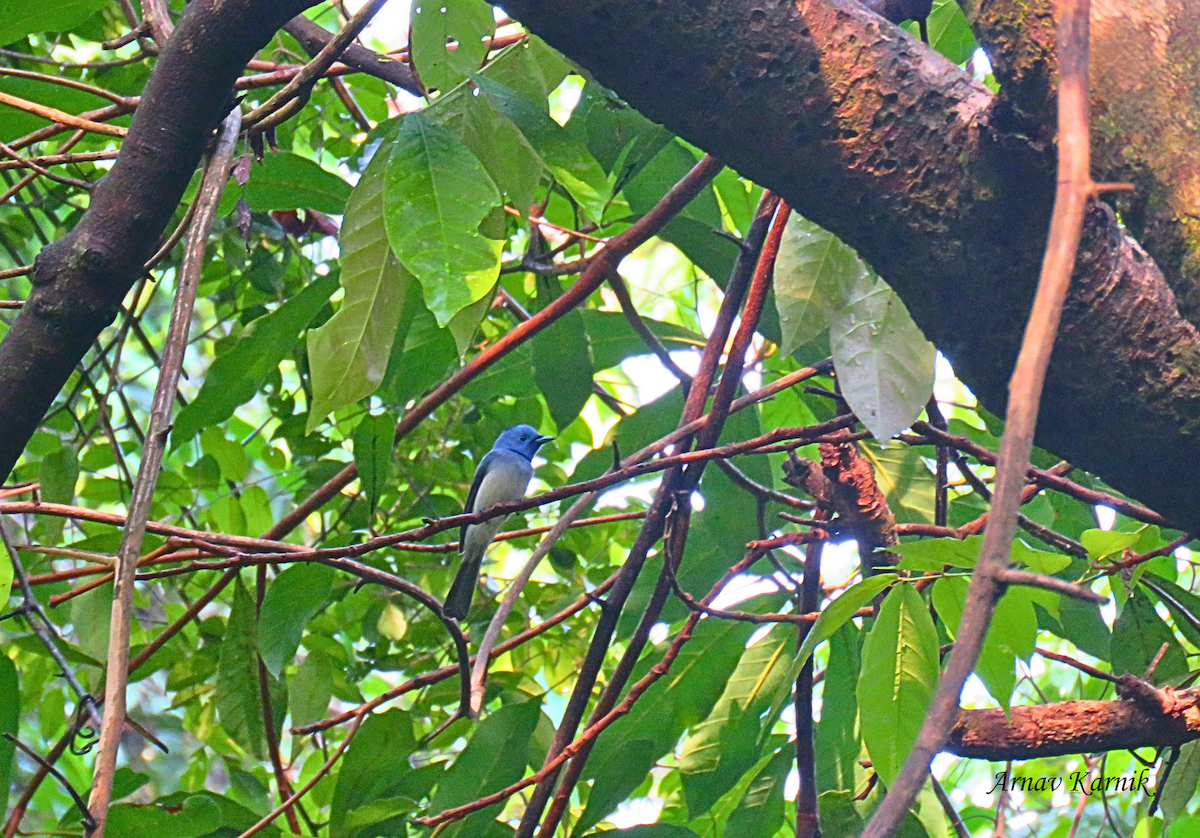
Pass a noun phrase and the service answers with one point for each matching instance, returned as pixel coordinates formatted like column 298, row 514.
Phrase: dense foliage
column 369, row 249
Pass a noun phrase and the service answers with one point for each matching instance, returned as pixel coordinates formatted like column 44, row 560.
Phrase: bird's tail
column 458, row 601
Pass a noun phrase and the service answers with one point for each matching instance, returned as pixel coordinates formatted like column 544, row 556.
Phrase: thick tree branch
column 1071, row 727
column 900, row 153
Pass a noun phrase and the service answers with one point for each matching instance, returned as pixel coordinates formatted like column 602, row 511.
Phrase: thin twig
column 89, row 821
column 211, row 188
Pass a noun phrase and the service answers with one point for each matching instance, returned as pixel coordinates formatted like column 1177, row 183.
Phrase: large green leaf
column 19, row 18
column 725, row 745
column 237, row 374
column 680, row 699
column 288, row 181
column 563, row 154
column 811, row 270
column 375, row 770
column 436, row 195
column 439, row 26
column 884, row 363
column 899, row 674
column 198, row 816
column 293, row 598
column 1137, row 636
column 349, row 354
column 494, row 757
column 239, row 705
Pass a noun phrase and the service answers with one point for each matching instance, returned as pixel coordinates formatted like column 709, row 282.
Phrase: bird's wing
column 469, row 507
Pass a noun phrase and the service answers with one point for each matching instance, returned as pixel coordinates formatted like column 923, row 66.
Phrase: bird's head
column 522, row 439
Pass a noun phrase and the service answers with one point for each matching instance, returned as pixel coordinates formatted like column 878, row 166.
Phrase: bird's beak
column 542, row 440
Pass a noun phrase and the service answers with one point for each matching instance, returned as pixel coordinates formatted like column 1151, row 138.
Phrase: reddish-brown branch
column 1072, row 727
column 671, row 496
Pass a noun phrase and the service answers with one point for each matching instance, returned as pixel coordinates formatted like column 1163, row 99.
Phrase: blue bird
column 503, row 476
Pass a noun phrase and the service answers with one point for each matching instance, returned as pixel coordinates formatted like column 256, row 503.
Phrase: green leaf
column 58, row 475
column 293, row 598
column 1181, row 783
column 621, row 139
column 199, row 815
column 562, row 365
column 899, row 674
column 832, row 618
column 530, row 67
column 1011, row 634
column 651, row 830
column 929, row 554
column 723, row 747
column 437, row 25
column 349, row 354
column 373, row 453
column 839, row 817
column 237, row 374
column 6, row 577
column 812, row 267
column 1039, row 561
column 436, row 195
column 613, row 339
column 374, row 769
column 238, row 701
column 884, row 363
column 675, row 702
column 288, row 181
column 1101, row 543
column 10, row 719
column 311, row 689
column 761, row 810
column 502, row 149
column 949, row 32
column 565, row 156
column 837, row 741
column 1183, row 605
column 494, row 757
column 1137, row 636
column 19, row 18
column 906, row 481
column 617, row 775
